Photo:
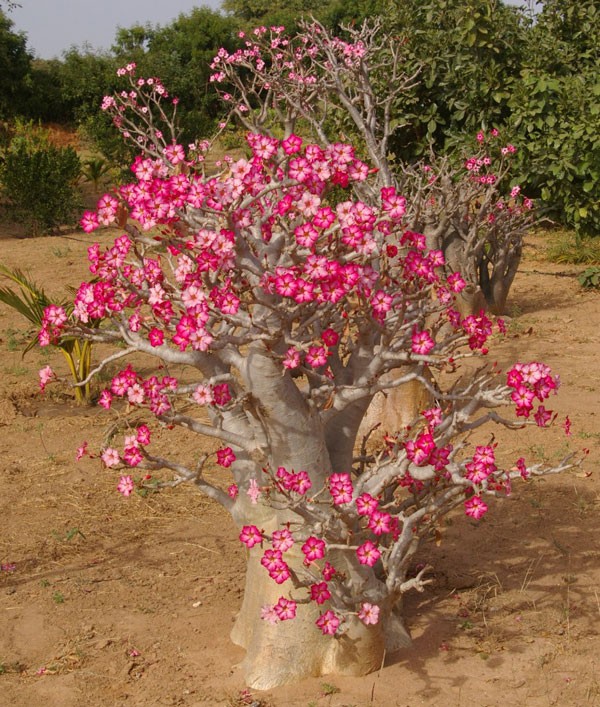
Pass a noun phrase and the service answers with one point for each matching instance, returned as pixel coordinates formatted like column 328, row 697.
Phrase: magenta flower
column 328, row 623
column 422, row 343
column 366, row 504
column 225, row 457
column 81, row 451
column 282, row 540
column 285, row 609
column 156, row 337
column 475, row 507
column 143, row 435
column 368, row 553
column 250, row 535
column 542, row 416
column 313, row 549
column 319, row 592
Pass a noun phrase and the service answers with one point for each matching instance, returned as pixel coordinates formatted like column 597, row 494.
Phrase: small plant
column 31, row 301
column 58, row 597
column 61, row 252
column 95, row 170
column 69, row 535
column 329, row 689
column 590, row 278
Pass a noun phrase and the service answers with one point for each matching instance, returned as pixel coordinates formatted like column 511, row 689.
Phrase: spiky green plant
column 95, row 169
column 30, row 301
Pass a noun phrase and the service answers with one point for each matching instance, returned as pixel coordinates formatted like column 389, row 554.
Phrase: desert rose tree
column 275, row 306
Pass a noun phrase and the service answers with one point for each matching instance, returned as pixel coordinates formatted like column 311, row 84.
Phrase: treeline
column 479, row 64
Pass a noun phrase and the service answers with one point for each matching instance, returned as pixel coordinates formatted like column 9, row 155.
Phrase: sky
column 52, row 26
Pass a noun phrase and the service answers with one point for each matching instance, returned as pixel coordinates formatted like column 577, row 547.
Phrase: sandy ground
column 110, row 601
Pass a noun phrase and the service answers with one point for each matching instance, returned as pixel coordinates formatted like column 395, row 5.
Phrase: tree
column 14, row 66
column 556, row 113
column 276, row 303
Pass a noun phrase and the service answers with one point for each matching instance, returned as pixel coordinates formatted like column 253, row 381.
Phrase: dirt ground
column 109, row 601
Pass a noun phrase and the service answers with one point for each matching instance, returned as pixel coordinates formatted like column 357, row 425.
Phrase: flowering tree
column 331, row 86
column 277, row 305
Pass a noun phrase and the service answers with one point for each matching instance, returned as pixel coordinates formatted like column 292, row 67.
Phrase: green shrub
column 40, row 184
column 590, row 279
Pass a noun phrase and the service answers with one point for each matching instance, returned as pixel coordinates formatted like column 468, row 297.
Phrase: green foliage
column 40, row 184
column 30, row 301
column 94, row 170
column 14, row 68
column 590, row 278
column 556, row 113
column 252, row 13
column 466, row 54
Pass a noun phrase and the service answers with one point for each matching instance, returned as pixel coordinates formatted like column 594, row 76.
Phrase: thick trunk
column 395, row 410
column 296, row 649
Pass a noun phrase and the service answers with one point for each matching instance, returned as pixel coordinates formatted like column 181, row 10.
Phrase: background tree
column 15, row 61
column 555, row 113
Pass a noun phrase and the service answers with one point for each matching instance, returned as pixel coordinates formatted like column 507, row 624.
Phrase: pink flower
column 368, row 553
column 110, row 457
column 366, row 504
column 380, row 522
column 369, row 613
column 313, row 549
column 156, row 337
column 282, row 540
column 89, row 221
column 475, row 507
column 268, row 614
column 522, row 468
column 81, row 451
column 292, row 359
column 340, row 488
column 280, row 573
column 125, row 485
column 542, row 416
column 567, row 426
column 221, row 394
column 285, row 609
column 328, row 571
column 225, row 457
column 319, row 592
column 253, row 491
column 232, row 491
column 105, row 399
column 328, row 623
column 250, row 535
column 45, row 374
column 422, row 343
column 143, row 435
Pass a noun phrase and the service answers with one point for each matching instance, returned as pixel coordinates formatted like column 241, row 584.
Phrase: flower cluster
column 531, row 381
